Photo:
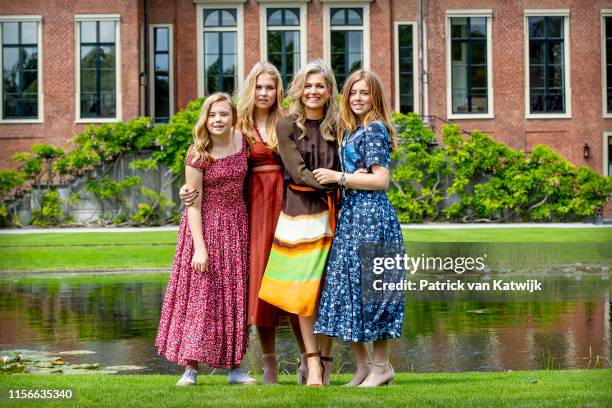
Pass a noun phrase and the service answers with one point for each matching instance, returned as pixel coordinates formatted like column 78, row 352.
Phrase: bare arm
column 378, row 179
column 193, row 178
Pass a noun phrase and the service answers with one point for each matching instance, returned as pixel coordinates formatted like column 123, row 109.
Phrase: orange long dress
column 265, row 201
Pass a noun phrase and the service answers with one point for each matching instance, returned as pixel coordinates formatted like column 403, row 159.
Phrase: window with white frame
column 607, row 62
column 220, row 50
column 21, row 86
column 547, row 59
column 405, row 67
column 470, row 90
column 98, row 66
column 347, row 40
column 162, row 106
column 283, row 41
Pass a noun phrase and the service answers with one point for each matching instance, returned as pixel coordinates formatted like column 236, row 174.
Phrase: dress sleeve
column 292, row 157
column 377, row 145
column 189, row 160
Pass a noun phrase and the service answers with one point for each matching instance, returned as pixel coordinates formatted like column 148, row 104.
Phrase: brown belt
column 266, row 168
column 332, row 198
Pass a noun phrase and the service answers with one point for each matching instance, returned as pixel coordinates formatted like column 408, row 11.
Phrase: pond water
column 568, row 327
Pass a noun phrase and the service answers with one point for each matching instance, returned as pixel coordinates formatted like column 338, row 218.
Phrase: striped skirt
column 294, row 272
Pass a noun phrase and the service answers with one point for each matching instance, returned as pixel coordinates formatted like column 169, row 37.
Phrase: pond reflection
column 118, row 320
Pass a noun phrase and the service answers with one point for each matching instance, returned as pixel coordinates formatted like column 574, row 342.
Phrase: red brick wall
column 59, row 70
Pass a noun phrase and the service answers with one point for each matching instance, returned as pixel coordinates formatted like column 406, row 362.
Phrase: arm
column 292, row 158
column 360, row 180
column 199, row 261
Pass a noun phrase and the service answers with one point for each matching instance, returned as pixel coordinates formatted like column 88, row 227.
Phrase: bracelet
column 342, row 182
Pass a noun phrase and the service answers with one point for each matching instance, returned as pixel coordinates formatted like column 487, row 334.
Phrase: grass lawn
column 155, row 250
column 573, row 388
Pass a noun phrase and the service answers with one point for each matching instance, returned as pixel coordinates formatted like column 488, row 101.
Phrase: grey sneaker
column 189, row 378
column 238, row 376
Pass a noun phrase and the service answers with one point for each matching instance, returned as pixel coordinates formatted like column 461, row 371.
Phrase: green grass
column 574, row 388
column 89, row 251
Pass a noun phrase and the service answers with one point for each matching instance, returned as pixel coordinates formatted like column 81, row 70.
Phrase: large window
column 19, row 56
column 547, row 70
column 161, row 73
column 470, row 90
column 606, row 57
column 220, row 50
column 405, row 67
column 98, row 65
column 346, row 41
column 283, row 40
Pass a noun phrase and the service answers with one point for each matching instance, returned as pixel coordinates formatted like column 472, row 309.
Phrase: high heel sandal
column 316, row 354
column 326, row 364
column 360, row 376
column 270, row 368
column 302, row 374
column 376, row 379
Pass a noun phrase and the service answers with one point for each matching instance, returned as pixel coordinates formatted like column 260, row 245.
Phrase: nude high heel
column 302, row 370
column 377, row 378
column 270, row 367
column 326, row 363
column 316, row 355
column 363, row 370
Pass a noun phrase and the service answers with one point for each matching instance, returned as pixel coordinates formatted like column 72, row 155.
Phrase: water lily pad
column 57, row 362
column 55, row 370
column 76, row 352
column 93, row 366
column 125, row 367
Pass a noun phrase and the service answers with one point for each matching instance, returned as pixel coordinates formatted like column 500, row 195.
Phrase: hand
column 361, row 171
column 326, row 176
column 199, row 262
column 188, row 195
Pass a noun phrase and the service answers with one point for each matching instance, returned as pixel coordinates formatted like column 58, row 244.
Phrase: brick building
column 525, row 71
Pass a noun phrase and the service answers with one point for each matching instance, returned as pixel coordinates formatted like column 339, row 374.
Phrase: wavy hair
column 201, row 136
column 246, row 104
column 296, row 107
column 380, row 107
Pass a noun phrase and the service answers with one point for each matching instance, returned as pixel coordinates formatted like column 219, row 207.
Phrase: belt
column 333, row 197
column 266, row 168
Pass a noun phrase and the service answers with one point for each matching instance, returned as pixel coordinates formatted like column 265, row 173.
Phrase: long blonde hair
column 246, row 104
column 380, row 107
column 296, row 107
column 201, row 137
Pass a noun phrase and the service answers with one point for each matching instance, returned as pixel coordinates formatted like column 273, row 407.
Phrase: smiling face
column 315, row 93
column 219, row 120
column 265, row 91
column 360, row 99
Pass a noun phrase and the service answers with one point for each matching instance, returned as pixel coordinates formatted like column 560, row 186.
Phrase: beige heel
column 270, row 367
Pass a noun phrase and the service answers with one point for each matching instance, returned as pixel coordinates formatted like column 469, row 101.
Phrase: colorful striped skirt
column 294, row 272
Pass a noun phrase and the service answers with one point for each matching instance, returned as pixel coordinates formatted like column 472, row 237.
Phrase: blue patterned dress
column 365, row 217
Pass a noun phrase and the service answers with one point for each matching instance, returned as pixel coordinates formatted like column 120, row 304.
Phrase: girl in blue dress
column 367, row 139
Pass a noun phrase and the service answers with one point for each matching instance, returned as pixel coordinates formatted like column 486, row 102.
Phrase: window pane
column 555, row 53
column 459, row 52
column 479, row 52
column 478, row 27
column 337, row 41
column 354, row 62
column 554, row 103
column 555, row 27
column 229, row 43
column 536, row 77
column 107, row 31
column 338, row 16
column 406, row 103
column 107, row 109
column 536, row 52
column 555, row 77
column 107, row 81
column 292, row 16
column 479, row 104
column 229, row 85
column 211, row 18
column 229, row 65
column 89, row 55
column 10, row 33
column 608, row 27
column 228, row 18
column 107, row 57
column 536, row 27
column 88, row 32
column 338, row 63
column 609, row 52
column 10, row 59
column 212, row 84
column 162, row 100
column 161, row 39
column 405, row 36
column 161, row 62
column 211, row 43
column 30, row 82
column 212, row 64
column 274, row 42
column 355, row 41
column 275, row 17
column 29, row 58
column 29, row 33
column 460, row 101
column 354, row 17
column 88, row 81
column 479, row 77
column 459, row 27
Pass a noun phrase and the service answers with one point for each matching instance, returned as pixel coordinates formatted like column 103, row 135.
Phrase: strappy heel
column 302, row 374
column 317, row 355
column 270, row 369
column 376, row 379
column 363, row 370
column 326, row 375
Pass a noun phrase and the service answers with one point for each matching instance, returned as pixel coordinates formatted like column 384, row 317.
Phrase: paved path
column 442, row 226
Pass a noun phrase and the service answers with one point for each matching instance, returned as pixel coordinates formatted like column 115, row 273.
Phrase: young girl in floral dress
column 366, row 216
column 204, row 314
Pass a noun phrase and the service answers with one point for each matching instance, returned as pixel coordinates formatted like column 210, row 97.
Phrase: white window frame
column 263, row 27
column 488, row 14
column 327, row 28
column 415, row 63
column 606, row 136
column 152, row 28
column 239, row 29
column 41, row 99
column 567, row 63
column 78, row 18
column 604, row 78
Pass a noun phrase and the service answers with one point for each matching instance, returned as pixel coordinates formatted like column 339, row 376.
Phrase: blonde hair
column 201, row 137
column 380, row 107
column 296, row 107
column 246, row 104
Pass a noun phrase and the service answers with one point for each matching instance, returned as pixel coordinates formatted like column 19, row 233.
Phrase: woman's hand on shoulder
column 199, row 261
column 326, row 176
